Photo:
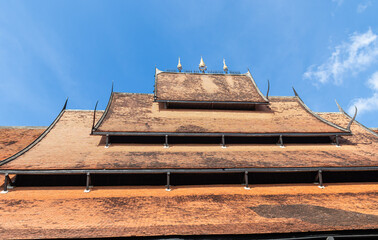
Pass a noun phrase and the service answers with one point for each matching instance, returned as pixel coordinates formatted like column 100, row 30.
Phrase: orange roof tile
column 150, row 211
column 138, row 113
column 77, row 149
column 207, row 87
column 14, row 139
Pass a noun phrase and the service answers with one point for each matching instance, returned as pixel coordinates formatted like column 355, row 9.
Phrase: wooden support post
column 223, row 142
column 246, row 180
column 10, row 183
column 5, row 190
column 168, row 186
column 107, row 141
column 166, row 145
column 320, row 177
column 88, row 183
column 281, row 142
column 337, row 141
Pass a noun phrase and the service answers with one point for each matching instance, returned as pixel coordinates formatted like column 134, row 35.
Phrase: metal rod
column 168, row 186
column 223, row 142
column 320, row 178
column 88, row 183
column 219, row 134
column 246, row 180
column 188, row 170
column 166, row 145
column 107, row 141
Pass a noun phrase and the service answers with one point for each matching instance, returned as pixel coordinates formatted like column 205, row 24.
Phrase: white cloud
column 349, row 57
column 362, row 7
column 367, row 104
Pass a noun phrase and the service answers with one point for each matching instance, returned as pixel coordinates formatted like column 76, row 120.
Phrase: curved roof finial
column 94, row 117
column 354, row 117
column 179, row 66
column 112, row 86
column 225, row 68
column 65, row 105
column 342, row 111
column 267, row 92
column 202, row 66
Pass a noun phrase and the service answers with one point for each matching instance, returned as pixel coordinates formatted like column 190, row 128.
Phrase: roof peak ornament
column 65, row 104
column 267, row 92
column 342, row 111
column 179, row 66
column 202, row 66
column 94, row 117
column 225, row 68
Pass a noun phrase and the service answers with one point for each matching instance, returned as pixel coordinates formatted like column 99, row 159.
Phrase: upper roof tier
column 138, row 113
column 204, row 87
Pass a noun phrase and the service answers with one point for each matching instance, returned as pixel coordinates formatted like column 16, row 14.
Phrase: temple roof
column 14, row 139
column 138, row 113
column 80, row 150
column 61, row 212
column 173, row 86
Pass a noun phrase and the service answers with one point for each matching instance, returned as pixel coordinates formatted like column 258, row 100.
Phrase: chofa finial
column 179, row 66
column 225, row 68
column 352, row 118
column 202, row 66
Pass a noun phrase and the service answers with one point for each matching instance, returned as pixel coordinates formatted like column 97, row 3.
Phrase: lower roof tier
column 138, row 113
column 14, row 139
column 67, row 212
column 69, row 145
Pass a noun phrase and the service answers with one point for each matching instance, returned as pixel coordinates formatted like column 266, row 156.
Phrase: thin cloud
column 349, row 57
column 362, row 7
column 367, row 104
column 339, row 2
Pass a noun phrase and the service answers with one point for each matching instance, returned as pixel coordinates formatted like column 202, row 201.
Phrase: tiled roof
column 374, row 129
column 138, row 113
column 63, row 212
column 77, row 149
column 207, row 87
column 14, row 139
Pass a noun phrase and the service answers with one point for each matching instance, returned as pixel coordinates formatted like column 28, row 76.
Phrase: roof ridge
column 158, row 71
column 82, row 110
column 248, row 74
column 23, row 127
column 127, row 93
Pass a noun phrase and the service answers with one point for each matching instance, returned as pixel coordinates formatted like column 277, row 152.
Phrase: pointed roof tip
column 295, row 92
column 225, row 68
column 65, row 104
column 202, row 63
column 157, row 71
column 112, row 86
column 339, row 107
column 267, row 92
column 179, row 66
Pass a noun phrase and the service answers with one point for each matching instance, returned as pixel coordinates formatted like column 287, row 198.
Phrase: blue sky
column 50, row 50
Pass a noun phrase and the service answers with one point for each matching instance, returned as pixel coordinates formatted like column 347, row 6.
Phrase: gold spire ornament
column 179, row 66
column 202, row 66
column 225, row 68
